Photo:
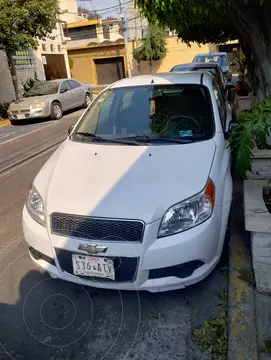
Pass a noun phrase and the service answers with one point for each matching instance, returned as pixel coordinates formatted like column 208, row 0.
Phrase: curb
column 4, row 123
column 242, row 334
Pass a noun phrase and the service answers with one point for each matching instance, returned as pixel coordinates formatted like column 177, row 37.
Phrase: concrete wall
column 6, row 86
column 177, row 53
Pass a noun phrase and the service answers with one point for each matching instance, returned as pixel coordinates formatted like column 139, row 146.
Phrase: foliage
column 70, row 62
column 247, row 276
column 212, row 335
column 251, row 131
column 267, row 345
column 91, row 14
column 240, row 58
column 23, row 22
column 153, row 47
column 217, row 21
column 4, row 109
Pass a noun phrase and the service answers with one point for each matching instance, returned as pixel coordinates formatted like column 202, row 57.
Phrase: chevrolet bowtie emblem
column 92, row 248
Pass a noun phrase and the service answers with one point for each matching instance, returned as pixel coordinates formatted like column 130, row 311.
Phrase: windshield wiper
column 87, row 134
column 101, row 139
column 147, row 139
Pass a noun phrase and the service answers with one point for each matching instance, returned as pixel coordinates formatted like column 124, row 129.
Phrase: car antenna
column 152, row 82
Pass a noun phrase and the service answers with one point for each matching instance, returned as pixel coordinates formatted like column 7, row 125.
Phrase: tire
column 88, row 100
column 56, row 111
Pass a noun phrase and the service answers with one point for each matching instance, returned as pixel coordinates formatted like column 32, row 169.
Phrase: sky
column 101, row 4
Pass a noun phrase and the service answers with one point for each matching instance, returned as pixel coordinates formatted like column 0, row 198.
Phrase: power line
column 98, row 10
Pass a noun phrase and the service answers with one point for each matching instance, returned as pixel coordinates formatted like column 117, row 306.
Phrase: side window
column 126, row 99
column 221, row 103
column 64, row 87
column 74, row 84
column 224, row 61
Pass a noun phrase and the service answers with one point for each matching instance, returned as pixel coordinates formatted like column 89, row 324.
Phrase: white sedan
column 138, row 196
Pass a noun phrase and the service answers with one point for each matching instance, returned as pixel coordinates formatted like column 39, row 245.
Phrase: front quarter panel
column 221, row 171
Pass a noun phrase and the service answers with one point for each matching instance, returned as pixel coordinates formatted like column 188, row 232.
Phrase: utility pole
column 124, row 30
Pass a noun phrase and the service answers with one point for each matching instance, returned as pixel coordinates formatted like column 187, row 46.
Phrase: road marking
column 28, row 133
column 7, row 135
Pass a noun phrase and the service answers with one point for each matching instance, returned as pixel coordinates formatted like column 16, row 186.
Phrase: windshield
column 207, row 59
column 45, row 88
column 164, row 111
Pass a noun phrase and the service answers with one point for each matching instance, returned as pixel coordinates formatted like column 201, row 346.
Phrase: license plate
column 93, row 266
column 20, row 116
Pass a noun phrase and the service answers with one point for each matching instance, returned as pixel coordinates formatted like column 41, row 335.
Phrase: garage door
column 109, row 70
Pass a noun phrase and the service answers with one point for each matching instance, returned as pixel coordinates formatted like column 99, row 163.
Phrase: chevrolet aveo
column 138, row 196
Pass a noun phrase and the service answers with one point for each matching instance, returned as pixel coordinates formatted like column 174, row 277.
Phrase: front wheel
column 88, row 100
column 56, row 111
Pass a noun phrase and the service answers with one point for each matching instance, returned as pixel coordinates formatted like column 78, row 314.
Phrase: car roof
column 55, row 81
column 195, row 65
column 189, row 77
column 212, row 54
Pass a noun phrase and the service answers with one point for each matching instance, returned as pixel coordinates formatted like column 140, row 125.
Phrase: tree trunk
column 252, row 23
column 13, row 73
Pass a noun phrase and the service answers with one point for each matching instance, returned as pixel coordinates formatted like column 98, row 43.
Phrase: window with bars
column 24, row 59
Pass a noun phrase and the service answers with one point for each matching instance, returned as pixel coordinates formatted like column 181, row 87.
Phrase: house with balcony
column 97, row 50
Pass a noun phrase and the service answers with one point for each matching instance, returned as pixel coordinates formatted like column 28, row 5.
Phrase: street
column 42, row 318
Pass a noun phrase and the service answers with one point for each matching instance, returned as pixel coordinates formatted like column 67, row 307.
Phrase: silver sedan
column 51, row 99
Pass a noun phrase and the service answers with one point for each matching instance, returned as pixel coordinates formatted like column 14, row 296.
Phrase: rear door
column 78, row 92
column 66, row 96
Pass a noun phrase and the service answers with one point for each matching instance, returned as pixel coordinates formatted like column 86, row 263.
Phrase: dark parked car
column 213, row 68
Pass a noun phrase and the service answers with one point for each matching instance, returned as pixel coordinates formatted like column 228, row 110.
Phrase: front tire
column 56, row 111
column 88, row 100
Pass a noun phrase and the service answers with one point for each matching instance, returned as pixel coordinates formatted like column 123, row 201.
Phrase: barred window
column 24, row 59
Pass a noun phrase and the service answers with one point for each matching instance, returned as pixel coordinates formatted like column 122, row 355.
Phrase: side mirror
column 71, row 129
column 62, row 91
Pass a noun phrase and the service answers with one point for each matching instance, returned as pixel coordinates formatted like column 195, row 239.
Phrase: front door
column 66, row 96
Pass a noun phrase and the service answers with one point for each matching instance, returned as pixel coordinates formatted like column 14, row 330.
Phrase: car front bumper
column 42, row 112
column 195, row 252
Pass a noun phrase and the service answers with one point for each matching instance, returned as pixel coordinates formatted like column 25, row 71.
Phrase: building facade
column 48, row 61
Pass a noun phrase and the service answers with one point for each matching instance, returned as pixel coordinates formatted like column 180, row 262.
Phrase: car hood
column 26, row 103
column 135, row 182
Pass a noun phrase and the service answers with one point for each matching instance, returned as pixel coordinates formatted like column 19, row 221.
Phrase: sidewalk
column 249, row 313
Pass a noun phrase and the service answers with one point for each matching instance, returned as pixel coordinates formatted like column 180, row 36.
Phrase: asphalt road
column 46, row 319
column 28, row 126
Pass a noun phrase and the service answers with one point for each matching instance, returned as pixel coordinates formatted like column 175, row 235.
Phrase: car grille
column 125, row 268
column 90, row 228
column 20, row 112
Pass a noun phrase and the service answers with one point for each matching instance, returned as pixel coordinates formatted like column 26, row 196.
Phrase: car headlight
column 35, row 206
column 40, row 104
column 188, row 213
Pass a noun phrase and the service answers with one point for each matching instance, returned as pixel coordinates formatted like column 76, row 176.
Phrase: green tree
column 22, row 24
column 153, row 47
column 217, row 21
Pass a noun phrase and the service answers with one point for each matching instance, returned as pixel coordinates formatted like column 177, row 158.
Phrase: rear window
column 211, row 70
column 207, row 59
column 165, row 111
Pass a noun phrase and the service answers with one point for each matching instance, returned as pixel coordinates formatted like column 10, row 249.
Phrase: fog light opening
column 35, row 253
